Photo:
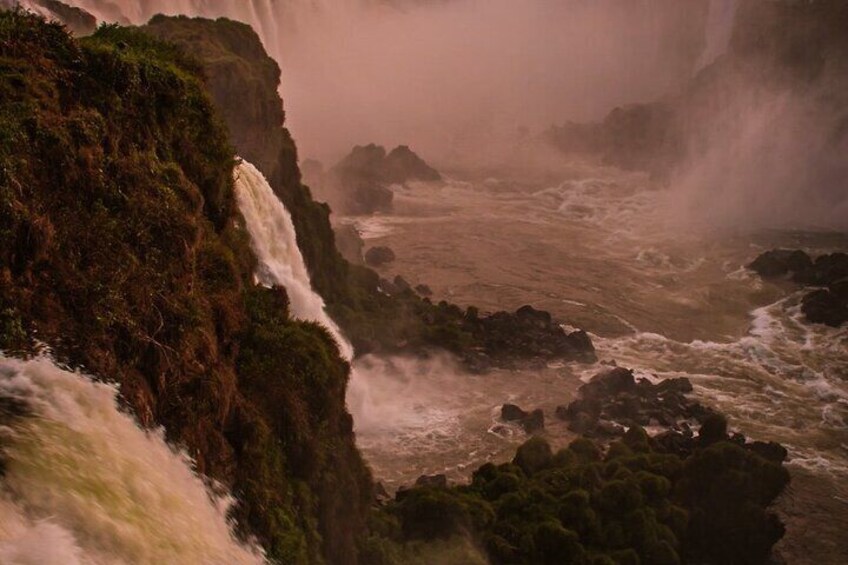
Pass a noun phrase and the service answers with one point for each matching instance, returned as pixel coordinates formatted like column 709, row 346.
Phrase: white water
column 274, row 241
column 86, row 485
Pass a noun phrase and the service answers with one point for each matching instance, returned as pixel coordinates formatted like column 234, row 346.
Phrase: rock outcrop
column 359, row 183
column 122, row 248
column 827, row 305
column 614, row 400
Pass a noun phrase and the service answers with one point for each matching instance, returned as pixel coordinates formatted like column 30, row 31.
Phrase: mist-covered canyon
column 410, row 281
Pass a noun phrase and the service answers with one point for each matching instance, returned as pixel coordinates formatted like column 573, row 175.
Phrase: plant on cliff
column 122, row 249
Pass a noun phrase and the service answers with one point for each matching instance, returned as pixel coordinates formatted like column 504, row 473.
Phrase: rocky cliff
column 122, row 250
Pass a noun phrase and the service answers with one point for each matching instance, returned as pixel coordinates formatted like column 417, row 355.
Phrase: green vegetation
column 120, row 248
column 633, row 504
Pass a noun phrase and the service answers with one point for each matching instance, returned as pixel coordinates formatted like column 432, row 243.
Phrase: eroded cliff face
column 122, row 249
column 243, row 81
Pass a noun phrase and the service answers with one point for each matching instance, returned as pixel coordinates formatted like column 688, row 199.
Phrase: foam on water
column 84, row 484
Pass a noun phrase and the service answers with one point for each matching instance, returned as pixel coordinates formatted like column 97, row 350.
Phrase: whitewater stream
column 597, row 250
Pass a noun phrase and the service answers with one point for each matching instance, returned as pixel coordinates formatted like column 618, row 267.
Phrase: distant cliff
column 790, row 55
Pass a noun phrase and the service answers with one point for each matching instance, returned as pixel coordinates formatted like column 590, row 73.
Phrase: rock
column 781, row 262
column 423, row 290
column 432, row 481
column 377, row 256
column 607, row 428
column 825, row 307
column 349, row 243
column 534, row 421
column 381, row 495
column 528, row 334
column 402, row 165
column 609, row 383
column 529, row 315
column 771, row 451
column 401, row 284
column 713, row 429
column 582, row 423
column 367, row 198
column 829, row 269
column 512, row 413
column 562, row 412
column 822, row 306
column 389, row 287
column 359, row 183
column 680, row 385
column 675, row 442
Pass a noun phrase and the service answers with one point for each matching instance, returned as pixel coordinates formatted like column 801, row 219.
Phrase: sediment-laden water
column 600, row 251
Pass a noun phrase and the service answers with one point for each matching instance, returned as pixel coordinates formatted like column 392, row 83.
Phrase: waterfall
column 719, row 30
column 275, row 243
column 84, row 484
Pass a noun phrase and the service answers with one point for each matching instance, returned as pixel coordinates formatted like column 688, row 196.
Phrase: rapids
column 599, row 250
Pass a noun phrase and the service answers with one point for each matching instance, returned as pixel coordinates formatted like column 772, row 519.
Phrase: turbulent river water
column 598, row 250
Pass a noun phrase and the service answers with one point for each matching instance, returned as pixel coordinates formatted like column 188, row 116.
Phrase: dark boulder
column 402, row 165
column 781, row 262
column 825, row 307
column 423, row 290
column 531, row 421
column 512, row 413
column 771, row 451
column 377, row 256
column 829, row 269
column 534, row 422
column 432, row 481
column 402, row 284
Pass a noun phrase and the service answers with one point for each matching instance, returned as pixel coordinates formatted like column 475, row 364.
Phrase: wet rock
column 349, row 243
column 389, row 287
column 539, row 318
column 614, row 399
column 821, row 306
column 401, row 284
column 771, row 451
column 781, row 262
column 402, row 165
column 381, row 495
column 512, row 413
column 562, row 412
column 607, row 428
column 528, row 334
column 423, row 290
column 828, row 269
column 378, row 256
column 713, row 429
column 582, row 423
column 432, row 481
column 534, row 422
column 530, row 421
column 825, row 307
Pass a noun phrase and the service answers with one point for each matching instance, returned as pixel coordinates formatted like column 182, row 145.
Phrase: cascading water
column 275, row 244
column 85, row 484
column 719, row 30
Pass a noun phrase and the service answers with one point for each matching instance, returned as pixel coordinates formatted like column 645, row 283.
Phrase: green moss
column 121, row 247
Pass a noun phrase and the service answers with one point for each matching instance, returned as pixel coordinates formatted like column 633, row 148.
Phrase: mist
column 448, row 77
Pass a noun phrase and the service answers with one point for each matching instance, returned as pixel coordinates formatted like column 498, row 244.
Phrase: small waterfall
column 275, row 244
column 719, row 30
column 84, row 484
